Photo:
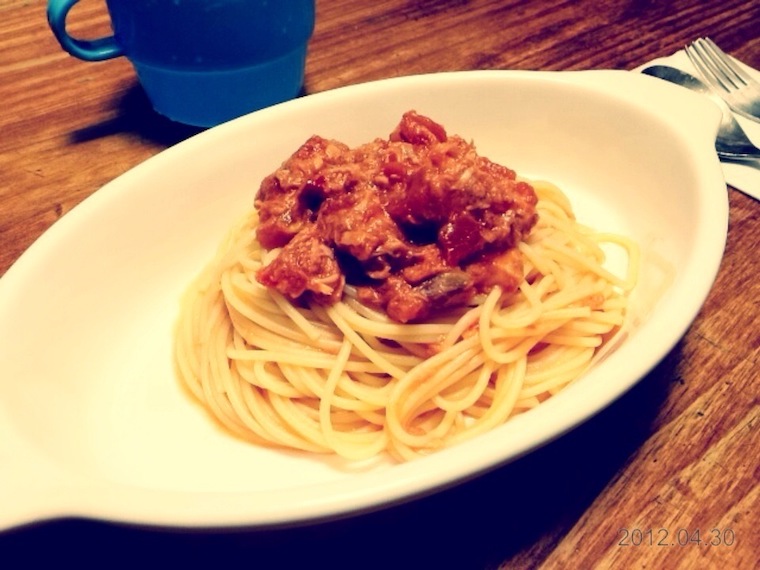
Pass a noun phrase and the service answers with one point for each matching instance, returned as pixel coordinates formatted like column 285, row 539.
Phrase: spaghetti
column 346, row 379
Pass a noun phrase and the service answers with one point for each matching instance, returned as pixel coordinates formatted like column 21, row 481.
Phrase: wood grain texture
column 678, row 454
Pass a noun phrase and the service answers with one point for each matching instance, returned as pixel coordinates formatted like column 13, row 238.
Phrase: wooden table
column 676, row 456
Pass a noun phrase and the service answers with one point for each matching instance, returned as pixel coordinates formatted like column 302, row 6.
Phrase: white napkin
column 742, row 176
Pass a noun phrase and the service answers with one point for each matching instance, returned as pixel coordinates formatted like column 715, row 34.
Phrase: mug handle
column 88, row 50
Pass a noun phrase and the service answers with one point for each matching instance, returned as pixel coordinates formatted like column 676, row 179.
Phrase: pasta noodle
column 345, row 379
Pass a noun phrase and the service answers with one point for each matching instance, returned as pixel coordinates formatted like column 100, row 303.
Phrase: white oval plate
column 92, row 420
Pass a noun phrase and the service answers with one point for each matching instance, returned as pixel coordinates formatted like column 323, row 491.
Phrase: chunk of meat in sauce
column 305, row 264
column 288, row 199
column 419, row 222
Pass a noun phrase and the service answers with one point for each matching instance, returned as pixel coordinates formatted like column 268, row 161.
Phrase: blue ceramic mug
column 203, row 62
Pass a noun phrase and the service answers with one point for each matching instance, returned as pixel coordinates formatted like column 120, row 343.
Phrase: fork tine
column 700, row 63
column 726, row 76
column 729, row 69
column 738, row 71
column 706, row 63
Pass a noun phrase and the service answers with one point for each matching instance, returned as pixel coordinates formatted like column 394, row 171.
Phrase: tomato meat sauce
column 417, row 223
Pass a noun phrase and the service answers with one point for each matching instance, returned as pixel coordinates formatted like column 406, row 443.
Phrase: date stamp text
column 681, row 537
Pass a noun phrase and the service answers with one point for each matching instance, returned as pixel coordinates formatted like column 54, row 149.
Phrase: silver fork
column 732, row 142
column 732, row 82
